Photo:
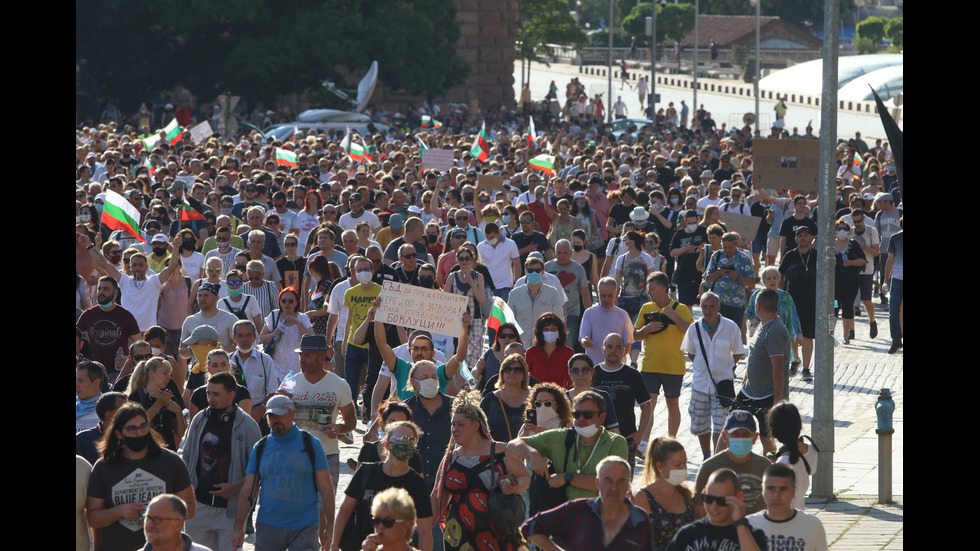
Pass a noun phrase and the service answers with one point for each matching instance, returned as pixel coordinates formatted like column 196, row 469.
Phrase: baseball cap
column 279, row 405
column 740, row 419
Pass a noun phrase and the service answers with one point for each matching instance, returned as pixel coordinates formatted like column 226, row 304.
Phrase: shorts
column 706, row 411
column 772, row 246
column 670, row 383
column 762, row 406
column 759, row 244
column 866, row 285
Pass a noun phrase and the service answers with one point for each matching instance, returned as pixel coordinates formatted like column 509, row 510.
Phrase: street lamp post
column 755, row 78
column 697, row 10
column 609, row 28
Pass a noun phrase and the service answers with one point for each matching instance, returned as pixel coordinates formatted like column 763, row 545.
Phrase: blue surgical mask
column 534, row 278
column 740, row 447
column 675, row 200
column 505, row 219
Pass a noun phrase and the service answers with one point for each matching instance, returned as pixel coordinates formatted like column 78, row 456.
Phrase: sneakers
column 849, row 337
column 874, row 329
column 807, row 376
column 794, row 366
column 345, row 438
column 884, row 300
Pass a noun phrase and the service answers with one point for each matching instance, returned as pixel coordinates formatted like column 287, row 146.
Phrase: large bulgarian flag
column 285, row 157
column 500, row 314
column 481, row 149
column 173, row 133
column 149, row 142
column 530, row 134
column 544, row 163
column 120, row 214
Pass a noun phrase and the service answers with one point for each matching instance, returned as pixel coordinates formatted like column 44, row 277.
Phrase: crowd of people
column 227, row 346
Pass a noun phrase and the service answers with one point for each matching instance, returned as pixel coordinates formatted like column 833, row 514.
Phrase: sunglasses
column 526, row 221
column 546, row 403
column 721, row 501
column 387, row 522
column 534, row 270
column 512, row 369
column 288, row 301
column 586, row 414
column 464, row 258
column 233, row 281
column 410, row 255
column 577, row 370
column 506, row 335
column 140, row 357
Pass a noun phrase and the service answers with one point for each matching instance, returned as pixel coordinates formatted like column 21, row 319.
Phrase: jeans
column 897, row 292
column 355, row 359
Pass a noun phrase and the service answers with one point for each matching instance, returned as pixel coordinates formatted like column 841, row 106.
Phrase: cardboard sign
column 437, row 159
column 743, row 224
column 489, row 182
column 419, row 308
column 786, row 164
column 201, row 132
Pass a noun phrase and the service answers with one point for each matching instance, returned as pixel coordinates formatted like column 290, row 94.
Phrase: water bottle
column 288, row 383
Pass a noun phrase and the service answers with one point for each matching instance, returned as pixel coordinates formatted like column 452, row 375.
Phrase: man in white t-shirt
column 784, row 526
column 222, row 321
column 140, row 293
column 338, row 315
column 357, row 214
column 501, row 257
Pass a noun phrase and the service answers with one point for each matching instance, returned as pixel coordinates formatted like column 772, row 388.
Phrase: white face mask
column 246, row 350
column 364, row 277
column 841, row 234
column 493, row 242
column 550, row 336
column 428, row 388
column 676, row 476
column 548, row 418
column 156, row 351
column 692, row 227
column 587, row 432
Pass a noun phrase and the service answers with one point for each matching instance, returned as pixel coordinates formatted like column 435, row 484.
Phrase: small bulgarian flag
column 428, row 121
column 191, row 210
column 544, row 163
column 481, row 149
column 857, row 160
column 500, row 314
column 353, row 150
column 530, row 134
column 367, row 150
column 285, row 157
column 173, row 133
column 120, row 214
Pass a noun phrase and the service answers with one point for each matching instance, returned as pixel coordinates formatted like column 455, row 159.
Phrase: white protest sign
column 437, row 159
column 201, row 132
column 188, row 181
column 746, row 226
column 420, row 308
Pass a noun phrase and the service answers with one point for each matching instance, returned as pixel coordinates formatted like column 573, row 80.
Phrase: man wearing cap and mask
column 223, row 322
column 358, row 214
column 140, row 291
column 740, row 434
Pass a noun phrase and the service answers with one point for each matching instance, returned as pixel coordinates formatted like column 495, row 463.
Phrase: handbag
column 541, row 495
column 270, row 347
column 507, row 511
column 725, row 389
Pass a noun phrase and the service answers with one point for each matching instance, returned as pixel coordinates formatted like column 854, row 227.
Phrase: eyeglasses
column 291, row 244
column 387, row 522
column 535, row 270
column 721, row 501
column 577, row 370
column 506, row 336
column 153, row 519
column 232, row 281
column 526, row 221
column 546, row 403
column 135, row 429
column 410, row 255
column 140, row 357
column 512, row 369
column 586, row 414
column 287, row 301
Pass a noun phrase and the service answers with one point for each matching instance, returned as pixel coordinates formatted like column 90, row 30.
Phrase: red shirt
column 540, row 215
column 553, row 369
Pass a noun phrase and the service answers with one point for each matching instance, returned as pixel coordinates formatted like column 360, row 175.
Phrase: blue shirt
column 729, row 291
column 288, row 496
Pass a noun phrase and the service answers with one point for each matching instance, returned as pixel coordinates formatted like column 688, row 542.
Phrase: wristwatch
column 569, row 477
column 742, row 522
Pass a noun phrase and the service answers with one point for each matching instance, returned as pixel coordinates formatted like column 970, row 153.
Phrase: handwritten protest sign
column 786, row 164
column 437, row 159
column 419, row 308
column 201, row 132
column 746, row 226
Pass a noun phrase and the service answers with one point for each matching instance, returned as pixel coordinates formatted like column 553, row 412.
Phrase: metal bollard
column 885, row 409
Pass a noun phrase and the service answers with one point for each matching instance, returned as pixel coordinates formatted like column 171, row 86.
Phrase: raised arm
column 452, row 366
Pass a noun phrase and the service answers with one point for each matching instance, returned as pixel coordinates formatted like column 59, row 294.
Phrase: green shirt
column 402, row 368
column 551, row 444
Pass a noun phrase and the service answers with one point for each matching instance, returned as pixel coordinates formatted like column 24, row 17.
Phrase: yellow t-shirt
column 662, row 351
column 358, row 301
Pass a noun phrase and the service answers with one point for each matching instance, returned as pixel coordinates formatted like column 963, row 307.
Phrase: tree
column 873, row 29
column 260, row 49
column 804, row 13
column 674, row 21
column 894, row 30
column 544, row 22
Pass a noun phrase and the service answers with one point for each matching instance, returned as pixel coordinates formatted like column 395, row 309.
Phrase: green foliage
column 804, row 13
column 544, row 22
column 600, row 39
column 865, row 45
column 872, row 28
column 894, row 30
column 674, row 21
column 259, row 50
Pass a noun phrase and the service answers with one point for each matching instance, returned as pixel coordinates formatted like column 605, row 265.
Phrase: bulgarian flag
column 173, row 133
column 422, row 146
column 149, row 142
column 428, row 121
column 353, row 150
column 857, row 160
column 191, row 210
column 481, row 149
column 120, row 214
column 285, row 157
column 367, row 150
column 530, row 134
column 500, row 314
column 544, row 163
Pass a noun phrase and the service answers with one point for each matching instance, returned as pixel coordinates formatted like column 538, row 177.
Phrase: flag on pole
column 285, row 157
column 530, row 134
column 120, row 214
column 173, row 133
column 857, row 160
column 366, row 151
column 500, row 314
column 191, row 210
column 428, row 122
column 544, row 163
column 481, row 149
column 422, row 146
column 354, row 151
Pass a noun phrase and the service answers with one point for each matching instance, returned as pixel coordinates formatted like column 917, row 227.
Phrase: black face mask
column 431, row 238
column 240, row 267
column 137, row 443
column 468, row 198
column 577, row 248
column 426, row 281
column 159, row 251
column 187, row 245
column 451, row 222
